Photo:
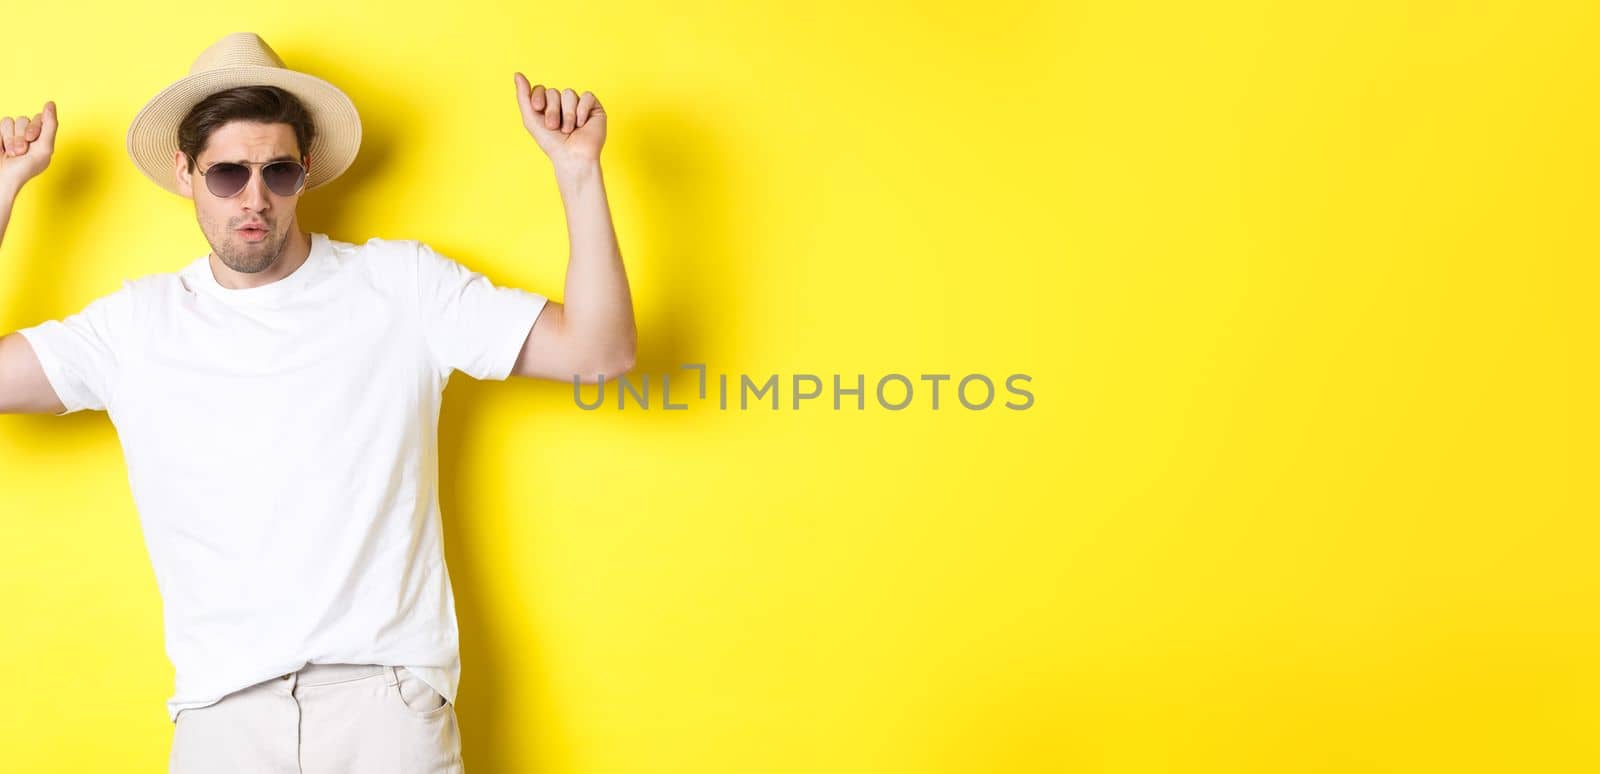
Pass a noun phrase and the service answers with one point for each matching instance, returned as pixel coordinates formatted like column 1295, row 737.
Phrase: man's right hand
column 28, row 145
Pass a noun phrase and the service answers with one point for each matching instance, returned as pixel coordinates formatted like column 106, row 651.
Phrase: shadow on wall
column 683, row 223
column 70, row 191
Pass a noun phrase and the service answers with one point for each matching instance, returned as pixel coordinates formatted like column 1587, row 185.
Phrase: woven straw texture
column 244, row 59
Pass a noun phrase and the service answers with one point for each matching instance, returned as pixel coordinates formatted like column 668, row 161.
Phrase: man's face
column 222, row 219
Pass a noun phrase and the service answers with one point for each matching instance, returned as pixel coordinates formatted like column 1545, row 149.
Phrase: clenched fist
column 568, row 127
column 28, row 145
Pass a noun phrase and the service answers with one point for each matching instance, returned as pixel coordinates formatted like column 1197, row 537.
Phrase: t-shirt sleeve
column 471, row 324
column 81, row 353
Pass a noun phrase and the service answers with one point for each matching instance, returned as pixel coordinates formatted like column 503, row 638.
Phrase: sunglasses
column 227, row 178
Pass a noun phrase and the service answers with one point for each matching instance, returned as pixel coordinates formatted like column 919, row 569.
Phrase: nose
column 255, row 197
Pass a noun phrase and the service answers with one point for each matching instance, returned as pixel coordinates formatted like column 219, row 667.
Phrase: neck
column 296, row 249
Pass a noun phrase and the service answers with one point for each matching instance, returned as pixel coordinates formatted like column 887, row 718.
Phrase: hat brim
column 153, row 135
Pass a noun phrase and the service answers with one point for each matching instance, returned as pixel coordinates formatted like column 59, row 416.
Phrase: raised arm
column 28, row 145
column 593, row 331
column 23, row 386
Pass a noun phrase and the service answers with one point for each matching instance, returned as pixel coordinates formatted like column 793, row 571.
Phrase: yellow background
column 1306, row 292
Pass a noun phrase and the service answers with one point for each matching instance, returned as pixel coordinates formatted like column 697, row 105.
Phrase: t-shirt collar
column 199, row 271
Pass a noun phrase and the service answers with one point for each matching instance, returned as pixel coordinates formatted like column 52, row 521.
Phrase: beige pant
column 323, row 719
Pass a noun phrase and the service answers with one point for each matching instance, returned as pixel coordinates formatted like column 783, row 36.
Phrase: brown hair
column 262, row 104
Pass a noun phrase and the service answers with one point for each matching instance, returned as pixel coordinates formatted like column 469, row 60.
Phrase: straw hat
column 244, row 59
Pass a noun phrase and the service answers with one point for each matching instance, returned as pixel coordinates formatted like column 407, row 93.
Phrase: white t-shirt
column 281, row 444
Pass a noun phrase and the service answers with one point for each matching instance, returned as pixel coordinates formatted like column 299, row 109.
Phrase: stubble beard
column 246, row 257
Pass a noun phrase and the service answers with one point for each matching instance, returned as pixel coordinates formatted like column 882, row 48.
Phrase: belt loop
column 393, row 678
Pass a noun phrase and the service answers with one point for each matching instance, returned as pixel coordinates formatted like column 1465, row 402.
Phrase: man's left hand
column 569, row 127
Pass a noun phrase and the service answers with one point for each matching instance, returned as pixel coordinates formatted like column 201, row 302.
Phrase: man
column 277, row 401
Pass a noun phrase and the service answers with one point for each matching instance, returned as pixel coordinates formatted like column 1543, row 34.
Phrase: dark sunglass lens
column 283, row 177
column 226, row 179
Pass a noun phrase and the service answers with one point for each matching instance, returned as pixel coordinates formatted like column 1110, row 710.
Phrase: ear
column 305, row 159
column 180, row 171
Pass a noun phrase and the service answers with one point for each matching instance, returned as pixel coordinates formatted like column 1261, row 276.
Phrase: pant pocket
column 416, row 696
